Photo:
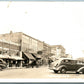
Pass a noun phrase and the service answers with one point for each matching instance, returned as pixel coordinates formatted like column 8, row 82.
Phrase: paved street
column 42, row 72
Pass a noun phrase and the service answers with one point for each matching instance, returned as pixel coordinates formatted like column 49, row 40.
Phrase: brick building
column 19, row 48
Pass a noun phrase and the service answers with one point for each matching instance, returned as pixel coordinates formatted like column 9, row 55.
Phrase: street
column 36, row 73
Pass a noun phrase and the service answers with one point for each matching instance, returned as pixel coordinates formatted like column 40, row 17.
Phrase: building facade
column 58, row 51
column 21, row 48
column 68, row 55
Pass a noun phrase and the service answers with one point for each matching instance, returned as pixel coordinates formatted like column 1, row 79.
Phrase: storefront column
column 21, row 57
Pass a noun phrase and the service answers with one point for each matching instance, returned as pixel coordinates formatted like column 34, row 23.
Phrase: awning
column 4, row 56
column 16, row 58
column 36, row 55
column 28, row 55
column 11, row 57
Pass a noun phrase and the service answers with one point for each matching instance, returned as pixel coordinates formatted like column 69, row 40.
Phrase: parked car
column 63, row 65
column 3, row 64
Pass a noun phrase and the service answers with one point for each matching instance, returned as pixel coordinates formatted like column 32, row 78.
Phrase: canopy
column 36, row 55
column 28, row 55
column 4, row 56
column 16, row 58
column 11, row 57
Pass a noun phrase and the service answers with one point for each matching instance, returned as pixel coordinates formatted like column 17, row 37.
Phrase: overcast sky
column 56, row 23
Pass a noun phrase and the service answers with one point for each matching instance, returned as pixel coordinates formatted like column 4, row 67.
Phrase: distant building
column 46, row 53
column 58, row 51
column 68, row 55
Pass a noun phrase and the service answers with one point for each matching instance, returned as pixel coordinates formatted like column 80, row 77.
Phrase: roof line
column 32, row 37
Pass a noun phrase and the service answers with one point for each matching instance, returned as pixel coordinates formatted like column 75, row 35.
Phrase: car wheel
column 55, row 71
column 77, row 72
column 63, row 71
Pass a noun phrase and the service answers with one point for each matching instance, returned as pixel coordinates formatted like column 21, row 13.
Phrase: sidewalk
column 25, row 67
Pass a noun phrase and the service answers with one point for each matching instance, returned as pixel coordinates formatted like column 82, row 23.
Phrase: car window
column 65, row 61
column 80, row 62
column 73, row 61
column 69, row 61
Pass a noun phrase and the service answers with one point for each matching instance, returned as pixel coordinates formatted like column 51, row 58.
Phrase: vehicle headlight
column 56, row 65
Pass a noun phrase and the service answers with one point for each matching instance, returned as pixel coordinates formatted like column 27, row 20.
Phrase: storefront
column 38, row 60
column 16, row 61
column 12, row 61
column 28, row 59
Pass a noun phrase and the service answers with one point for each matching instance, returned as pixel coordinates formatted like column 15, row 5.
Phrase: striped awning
column 28, row 55
column 36, row 55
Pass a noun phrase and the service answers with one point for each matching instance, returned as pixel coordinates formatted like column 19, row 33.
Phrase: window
column 66, row 61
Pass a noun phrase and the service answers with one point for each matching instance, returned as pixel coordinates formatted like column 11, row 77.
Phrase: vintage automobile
column 63, row 65
column 3, row 64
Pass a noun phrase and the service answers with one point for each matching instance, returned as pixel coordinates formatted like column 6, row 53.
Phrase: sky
column 55, row 23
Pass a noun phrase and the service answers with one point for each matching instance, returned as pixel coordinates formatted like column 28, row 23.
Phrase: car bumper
column 52, row 68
